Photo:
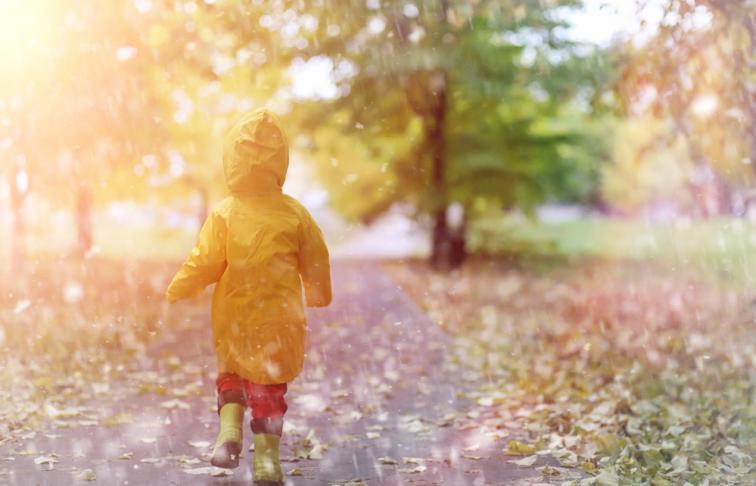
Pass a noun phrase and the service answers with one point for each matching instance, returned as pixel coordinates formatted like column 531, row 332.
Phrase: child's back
column 256, row 244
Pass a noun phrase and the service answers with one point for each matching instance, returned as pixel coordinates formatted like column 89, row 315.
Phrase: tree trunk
column 441, row 251
column 742, row 12
column 18, row 191
column 750, row 88
column 83, row 218
column 427, row 94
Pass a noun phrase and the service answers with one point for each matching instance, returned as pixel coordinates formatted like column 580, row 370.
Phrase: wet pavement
column 379, row 403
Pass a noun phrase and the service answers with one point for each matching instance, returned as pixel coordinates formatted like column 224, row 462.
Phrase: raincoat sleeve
column 205, row 264
column 314, row 265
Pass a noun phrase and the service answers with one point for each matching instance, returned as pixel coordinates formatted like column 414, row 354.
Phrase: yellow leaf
column 526, row 461
column 44, row 381
column 117, row 419
column 86, row 475
column 517, row 448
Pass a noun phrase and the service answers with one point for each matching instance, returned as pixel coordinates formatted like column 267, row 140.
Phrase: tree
column 697, row 72
column 491, row 86
column 437, row 103
column 647, row 167
column 78, row 105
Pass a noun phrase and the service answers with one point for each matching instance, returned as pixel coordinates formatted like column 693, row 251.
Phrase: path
column 377, row 404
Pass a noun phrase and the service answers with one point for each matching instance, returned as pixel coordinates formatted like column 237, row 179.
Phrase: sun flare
column 24, row 32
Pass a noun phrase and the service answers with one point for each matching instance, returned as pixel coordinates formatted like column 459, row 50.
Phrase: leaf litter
column 624, row 371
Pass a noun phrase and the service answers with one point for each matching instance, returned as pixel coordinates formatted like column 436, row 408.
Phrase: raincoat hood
column 256, row 154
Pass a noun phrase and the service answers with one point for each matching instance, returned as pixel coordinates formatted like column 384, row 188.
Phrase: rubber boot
column 228, row 445
column 267, row 464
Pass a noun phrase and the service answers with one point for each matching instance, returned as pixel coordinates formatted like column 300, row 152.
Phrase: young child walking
column 260, row 247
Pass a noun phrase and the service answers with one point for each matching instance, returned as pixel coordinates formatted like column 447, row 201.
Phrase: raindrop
column 125, row 53
column 22, row 181
column 73, row 292
column 21, row 306
column 267, row 22
column 333, row 30
column 376, row 25
column 143, row 6
column 410, row 10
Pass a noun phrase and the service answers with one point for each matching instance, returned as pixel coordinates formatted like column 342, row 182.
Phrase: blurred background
column 441, row 127
column 578, row 175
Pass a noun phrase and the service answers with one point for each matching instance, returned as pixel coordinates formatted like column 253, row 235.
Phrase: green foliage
column 647, row 166
column 136, row 99
column 514, row 131
column 719, row 250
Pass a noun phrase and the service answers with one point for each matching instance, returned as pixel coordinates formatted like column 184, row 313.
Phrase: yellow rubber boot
column 267, row 463
column 228, row 445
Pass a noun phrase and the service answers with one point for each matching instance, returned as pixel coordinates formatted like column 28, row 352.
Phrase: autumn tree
column 697, row 73
column 78, row 105
column 435, row 103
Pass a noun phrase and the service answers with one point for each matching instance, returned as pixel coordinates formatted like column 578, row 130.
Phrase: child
column 256, row 244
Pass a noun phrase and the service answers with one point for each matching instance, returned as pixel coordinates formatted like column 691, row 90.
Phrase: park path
column 379, row 403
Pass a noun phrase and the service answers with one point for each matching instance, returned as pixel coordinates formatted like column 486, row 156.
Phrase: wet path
column 379, row 403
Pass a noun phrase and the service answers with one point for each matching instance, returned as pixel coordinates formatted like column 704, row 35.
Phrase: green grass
column 722, row 248
column 153, row 243
column 111, row 240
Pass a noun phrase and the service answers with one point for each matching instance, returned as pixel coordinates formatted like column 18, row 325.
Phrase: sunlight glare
column 22, row 31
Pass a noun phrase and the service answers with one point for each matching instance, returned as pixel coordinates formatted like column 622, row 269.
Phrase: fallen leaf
column 607, row 478
column 117, row 419
column 209, row 470
column 187, row 460
column 525, row 461
column 86, row 475
column 311, row 402
column 417, row 426
column 413, row 460
column 471, row 457
column 179, row 404
column 517, row 448
column 199, row 444
column 316, row 452
column 49, row 460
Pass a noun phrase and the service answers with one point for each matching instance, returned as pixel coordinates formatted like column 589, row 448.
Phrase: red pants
column 267, row 402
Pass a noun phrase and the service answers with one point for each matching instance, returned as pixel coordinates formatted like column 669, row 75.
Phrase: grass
column 112, row 241
column 724, row 249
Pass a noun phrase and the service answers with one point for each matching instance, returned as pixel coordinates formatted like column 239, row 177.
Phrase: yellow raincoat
column 256, row 244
